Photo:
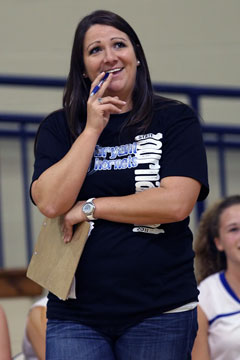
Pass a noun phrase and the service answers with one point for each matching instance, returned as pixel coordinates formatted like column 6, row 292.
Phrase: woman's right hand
column 99, row 107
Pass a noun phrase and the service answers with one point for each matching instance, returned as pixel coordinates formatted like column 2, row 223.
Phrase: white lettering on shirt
column 149, row 152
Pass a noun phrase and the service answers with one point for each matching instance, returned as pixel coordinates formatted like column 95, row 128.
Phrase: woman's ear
column 218, row 244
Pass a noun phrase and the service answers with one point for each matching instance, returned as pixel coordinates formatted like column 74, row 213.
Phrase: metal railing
column 219, row 138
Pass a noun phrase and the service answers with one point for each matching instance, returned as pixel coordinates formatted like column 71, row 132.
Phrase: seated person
column 33, row 346
column 5, row 346
column 217, row 247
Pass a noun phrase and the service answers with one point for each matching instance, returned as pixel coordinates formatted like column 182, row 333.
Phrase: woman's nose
column 110, row 56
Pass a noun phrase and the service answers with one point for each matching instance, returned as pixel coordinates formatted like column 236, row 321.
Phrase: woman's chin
column 114, row 90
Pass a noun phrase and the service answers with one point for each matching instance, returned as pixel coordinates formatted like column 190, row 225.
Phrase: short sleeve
column 204, row 296
column 183, row 148
column 52, row 143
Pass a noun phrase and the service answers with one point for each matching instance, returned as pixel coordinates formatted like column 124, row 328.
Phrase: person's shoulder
column 56, row 123
column 57, row 116
column 162, row 103
column 173, row 110
column 209, row 282
column 208, row 295
column 54, row 126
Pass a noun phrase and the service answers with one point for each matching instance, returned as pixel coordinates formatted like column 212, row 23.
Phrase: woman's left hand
column 72, row 217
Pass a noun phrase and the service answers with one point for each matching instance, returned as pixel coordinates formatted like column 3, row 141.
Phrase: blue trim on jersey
column 223, row 315
column 227, row 287
column 231, row 293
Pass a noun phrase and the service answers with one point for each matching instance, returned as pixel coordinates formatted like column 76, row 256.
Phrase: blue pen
column 97, row 87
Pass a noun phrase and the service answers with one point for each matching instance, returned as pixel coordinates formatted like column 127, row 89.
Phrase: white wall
column 187, row 41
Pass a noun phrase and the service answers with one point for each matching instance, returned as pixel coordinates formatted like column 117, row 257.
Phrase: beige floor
column 16, row 310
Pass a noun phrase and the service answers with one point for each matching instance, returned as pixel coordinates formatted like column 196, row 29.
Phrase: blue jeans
column 164, row 337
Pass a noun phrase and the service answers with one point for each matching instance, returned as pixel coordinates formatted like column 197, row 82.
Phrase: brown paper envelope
column 53, row 263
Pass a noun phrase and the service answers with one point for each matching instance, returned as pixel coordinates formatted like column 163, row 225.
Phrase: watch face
column 88, row 208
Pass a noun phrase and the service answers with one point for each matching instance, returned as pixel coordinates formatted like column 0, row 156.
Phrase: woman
column 139, row 160
column 5, row 345
column 218, row 268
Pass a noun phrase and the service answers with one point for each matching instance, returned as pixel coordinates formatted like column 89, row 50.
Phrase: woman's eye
column 94, row 50
column 119, row 44
column 233, row 229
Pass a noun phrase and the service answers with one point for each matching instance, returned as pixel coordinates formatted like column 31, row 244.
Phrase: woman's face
column 106, row 48
column 229, row 234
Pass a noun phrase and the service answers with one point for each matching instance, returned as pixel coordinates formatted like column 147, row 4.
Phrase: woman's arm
column 57, row 188
column 172, row 201
column 36, row 330
column 5, row 346
column 200, row 347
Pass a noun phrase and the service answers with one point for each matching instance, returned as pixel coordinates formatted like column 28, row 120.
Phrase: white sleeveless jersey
column 222, row 308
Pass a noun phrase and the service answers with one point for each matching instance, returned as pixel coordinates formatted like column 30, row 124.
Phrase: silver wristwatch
column 88, row 208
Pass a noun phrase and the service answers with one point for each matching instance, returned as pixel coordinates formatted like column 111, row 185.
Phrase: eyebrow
column 113, row 38
column 232, row 224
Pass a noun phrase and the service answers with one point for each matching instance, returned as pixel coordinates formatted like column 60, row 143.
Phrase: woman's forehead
column 232, row 213
column 98, row 33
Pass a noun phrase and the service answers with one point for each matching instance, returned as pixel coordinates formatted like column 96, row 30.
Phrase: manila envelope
column 53, row 263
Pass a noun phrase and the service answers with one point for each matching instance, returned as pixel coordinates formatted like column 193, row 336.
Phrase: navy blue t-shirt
column 128, row 272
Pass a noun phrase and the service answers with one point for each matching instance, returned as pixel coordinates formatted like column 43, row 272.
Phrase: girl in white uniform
column 217, row 248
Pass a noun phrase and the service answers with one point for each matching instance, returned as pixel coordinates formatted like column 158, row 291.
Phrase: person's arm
column 172, row 201
column 200, row 348
column 57, row 188
column 36, row 330
column 5, row 346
